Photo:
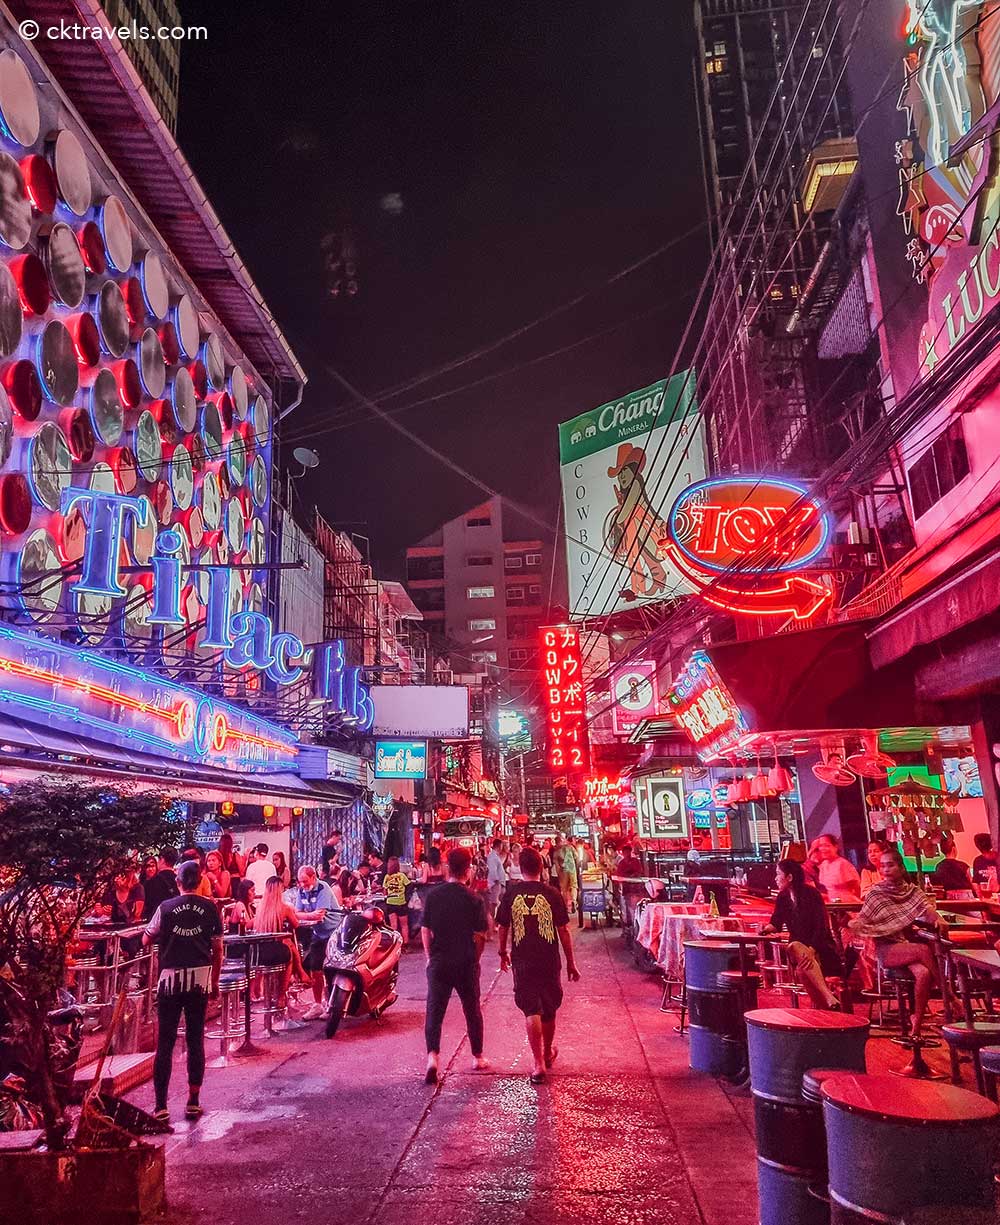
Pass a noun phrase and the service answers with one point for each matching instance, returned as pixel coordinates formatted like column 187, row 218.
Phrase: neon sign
column 636, row 696
column 565, row 699
column 603, row 790
column 704, row 707
column 764, row 529
column 401, row 759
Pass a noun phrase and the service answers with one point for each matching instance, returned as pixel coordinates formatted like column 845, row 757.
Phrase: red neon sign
column 604, row 790
column 565, row 699
column 704, row 707
column 762, row 528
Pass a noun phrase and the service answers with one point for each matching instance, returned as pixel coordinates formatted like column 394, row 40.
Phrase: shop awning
column 963, row 599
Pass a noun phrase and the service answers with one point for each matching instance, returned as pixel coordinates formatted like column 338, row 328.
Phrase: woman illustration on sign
column 633, row 528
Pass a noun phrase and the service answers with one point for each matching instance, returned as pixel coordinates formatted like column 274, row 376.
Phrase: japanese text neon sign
column 565, row 699
column 740, row 540
column 604, row 790
column 704, row 707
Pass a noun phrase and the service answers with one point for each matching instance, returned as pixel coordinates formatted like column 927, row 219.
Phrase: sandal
column 537, row 1078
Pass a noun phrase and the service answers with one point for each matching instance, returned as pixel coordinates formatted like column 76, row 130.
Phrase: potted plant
column 62, row 843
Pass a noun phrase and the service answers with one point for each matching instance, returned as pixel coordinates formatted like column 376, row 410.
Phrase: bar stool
column 270, row 978
column 971, row 1037
column 901, row 978
column 746, row 986
column 233, row 982
column 989, row 1061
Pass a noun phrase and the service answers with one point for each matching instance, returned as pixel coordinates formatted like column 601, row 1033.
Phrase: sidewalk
column 346, row 1131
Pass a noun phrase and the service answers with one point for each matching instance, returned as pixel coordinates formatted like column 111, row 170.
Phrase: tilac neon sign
column 739, row 540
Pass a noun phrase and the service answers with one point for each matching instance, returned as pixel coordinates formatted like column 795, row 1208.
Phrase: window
column 720, row 48
column 513, row 563
column 533, row 559
column 480, row 593
column 482, row 623
column 515, row 595
column 534, row 593
column 484, row 657
column 482, row 521
column 424, row 567
column 519, row 657
column 479, row 559
column 939, row 469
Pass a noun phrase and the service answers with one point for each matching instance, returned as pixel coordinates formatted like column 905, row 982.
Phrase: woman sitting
column 888, row 914
column 812, row 950
column 275, row 915
column 239, row 917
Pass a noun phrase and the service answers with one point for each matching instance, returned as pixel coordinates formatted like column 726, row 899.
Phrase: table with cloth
column 666, row 925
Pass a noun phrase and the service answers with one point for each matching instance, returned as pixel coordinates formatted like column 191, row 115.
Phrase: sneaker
column 316, row 1013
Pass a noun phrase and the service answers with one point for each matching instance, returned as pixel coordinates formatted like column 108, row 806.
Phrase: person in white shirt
column 261, row 869
column 496, row 881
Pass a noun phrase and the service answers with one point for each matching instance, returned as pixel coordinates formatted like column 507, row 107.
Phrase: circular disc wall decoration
column 55, row 357
column 11, row 318
column 129, row 384
column 199, row 378
column 211, row 430
column 222, row 549
column 239, row 391
column 194, row 526
column 86, row 339
column 138, row 609
column 215, row 362
column 106, row 411
column 257, row 542
column 124, row 467
column 49, row 466
column 39, row 183
column 39, row 573
column 92, row 248
column 72, row 534
column 225, row 487
column 211, row 502
column 169, row 343
column 92, row 611
column 155, row 289
column 6, row 428
column 197, row 449
column 236, row 526
column 163, row 503
column 254, row 601
column 18, row 100
column 15, row 503
column 181, row 477
column 20, row 381
column 260, row 418
column 15, row 207
column 258, row 481
column 32, row 284
column 236, row 460
column 112, row 319
column 188, row 328
column 135, row 304
column 72, row 172
column 67, row 273
column 152, row 368
column 116, row 231
column 148, row 446
column 144, row 538
column 184, row 403
column 102, row 479
column 75, row 424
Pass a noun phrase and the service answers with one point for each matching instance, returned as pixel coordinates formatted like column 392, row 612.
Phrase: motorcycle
column 361, row 967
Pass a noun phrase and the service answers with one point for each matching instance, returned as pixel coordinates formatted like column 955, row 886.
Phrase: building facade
column 157, row 60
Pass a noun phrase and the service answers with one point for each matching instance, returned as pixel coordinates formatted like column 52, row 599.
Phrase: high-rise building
column 157, row 60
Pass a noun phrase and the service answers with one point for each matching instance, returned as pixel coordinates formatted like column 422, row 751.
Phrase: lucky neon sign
column 739, row 540
column 565, row 699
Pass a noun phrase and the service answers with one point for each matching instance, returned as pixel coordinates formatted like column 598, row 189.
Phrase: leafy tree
column 62, row 843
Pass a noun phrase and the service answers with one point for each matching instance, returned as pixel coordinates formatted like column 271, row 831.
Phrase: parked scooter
column 361, row 967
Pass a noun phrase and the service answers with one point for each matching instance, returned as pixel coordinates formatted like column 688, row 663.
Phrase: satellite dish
column 305, row 457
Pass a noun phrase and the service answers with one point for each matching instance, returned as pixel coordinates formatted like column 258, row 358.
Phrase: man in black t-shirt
column 161, row 886
column 536, row 916
column 188, row 931
column 453, row 931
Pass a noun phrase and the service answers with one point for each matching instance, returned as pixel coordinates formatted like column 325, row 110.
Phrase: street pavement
column 346, row 1131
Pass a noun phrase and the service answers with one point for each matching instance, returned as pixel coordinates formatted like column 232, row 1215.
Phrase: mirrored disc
column 144, row 538
column 215, row 362
column 225, row 487
column 211, row 430
column 75, row 424
column 169, row 343
column 199, row 578
column 194, row 526
column 148, row 446
column 11, row 318
column 236, row 460
column 236, row 526
column 67, row 274
column 71, row 534
column 222, row 549
column 257, row 542
column 92, row 248
column 239, row 391
column 55, row 358
column 106, row 412
column 163, row 503
column 19, row 117
column 72, row 172
column 15, row 207
column 138, row 608
column 188, row 328
column 93, row 612
column 181, row 477
column 49, row 466
column 254, row 601
column 152, row 368
column 6, row 428
column 124, row 467
column 154, row 285
column 15, row 503
column 39, row 575
column 102, row 479
column 184, row 403
column 260, row 418
column 211, row 502
column 258, row 481
column 112, row 319
column 116, row 231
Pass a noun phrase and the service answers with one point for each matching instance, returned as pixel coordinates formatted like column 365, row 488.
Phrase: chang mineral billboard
column 622, row 466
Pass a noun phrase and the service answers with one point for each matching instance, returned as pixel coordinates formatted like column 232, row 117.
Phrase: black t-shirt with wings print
column 533, row 912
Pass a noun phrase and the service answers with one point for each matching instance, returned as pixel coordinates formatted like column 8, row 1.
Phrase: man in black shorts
column 535, row 914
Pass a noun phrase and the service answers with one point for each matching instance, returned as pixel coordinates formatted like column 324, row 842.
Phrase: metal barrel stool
column 786, row 1044
column 714, row 1022
column 989, row 1059
column 896, row 1147
column 233, row 983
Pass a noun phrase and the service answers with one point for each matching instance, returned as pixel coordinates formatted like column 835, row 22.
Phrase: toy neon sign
column 704, row 707
column 762, row 528
column 565, row 699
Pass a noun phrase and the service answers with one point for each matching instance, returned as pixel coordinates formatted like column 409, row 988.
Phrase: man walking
column 188, row 931
column 564, row 863
column 454, row 926
column 496, row 879
column 535, row 914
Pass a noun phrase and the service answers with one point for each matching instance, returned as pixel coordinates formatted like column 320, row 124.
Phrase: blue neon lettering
column 220, row 585
column 284, row 649
column 108, row 513
column 167, row 580
column 251, row 634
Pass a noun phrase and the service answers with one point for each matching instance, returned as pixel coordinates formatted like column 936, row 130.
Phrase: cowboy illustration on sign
column 633, row 527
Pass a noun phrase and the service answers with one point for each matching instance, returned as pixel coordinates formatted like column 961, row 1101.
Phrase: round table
column 676, row 929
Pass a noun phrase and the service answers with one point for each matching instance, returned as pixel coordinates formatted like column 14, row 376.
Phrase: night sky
column 490, row 162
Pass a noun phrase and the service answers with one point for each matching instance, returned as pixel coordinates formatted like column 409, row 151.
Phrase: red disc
column 92, row 248
column 20, row 381
column 32, row 284
column 224, row 403
column 197, row 449
column 135, row 303
column 15, row 503
column 194, row 525
column 199, row 377
column 86, row 339
column 246, row 431
column 126, row 374
column 75, row 424
column 39, row 182
column 169, row 343
column 225, row 488
column 124, row 468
